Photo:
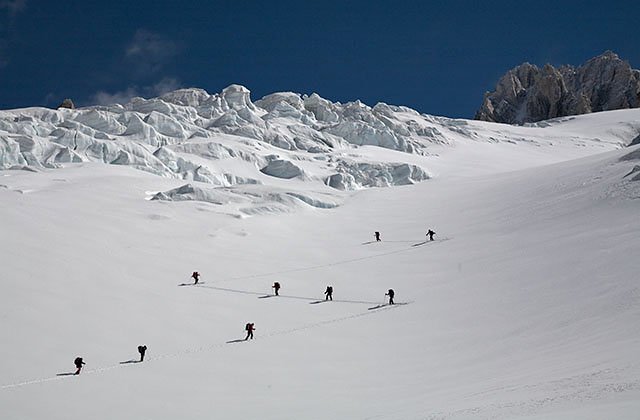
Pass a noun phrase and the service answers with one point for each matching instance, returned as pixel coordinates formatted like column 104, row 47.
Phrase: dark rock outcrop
column 529, row 94
column 67, row 103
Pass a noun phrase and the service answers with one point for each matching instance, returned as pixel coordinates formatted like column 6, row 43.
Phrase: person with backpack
column 195, row 276
column 390, row 293
column 377, row 236
column 142, row 350
column 328, row 293
column 249, row 328
column 430, row 234
column 78, row 362
column 276, row 287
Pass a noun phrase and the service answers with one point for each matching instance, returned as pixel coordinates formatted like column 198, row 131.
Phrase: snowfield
column 526, row 306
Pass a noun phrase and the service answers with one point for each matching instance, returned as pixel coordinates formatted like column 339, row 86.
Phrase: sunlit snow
column 526, row 305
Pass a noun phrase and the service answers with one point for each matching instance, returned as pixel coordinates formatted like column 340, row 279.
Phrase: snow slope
column 526, row 306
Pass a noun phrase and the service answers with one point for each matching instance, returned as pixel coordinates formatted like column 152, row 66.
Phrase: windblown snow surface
column 527, row 304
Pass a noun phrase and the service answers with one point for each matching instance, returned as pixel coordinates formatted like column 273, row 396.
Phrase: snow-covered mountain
column 526, row 306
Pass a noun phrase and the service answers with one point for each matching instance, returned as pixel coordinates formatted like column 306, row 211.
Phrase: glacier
column 227, row 141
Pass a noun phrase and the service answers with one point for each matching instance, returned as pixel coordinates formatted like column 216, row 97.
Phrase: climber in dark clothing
column 142, row 350
column 78, row 362
column 390, row 293
column 377, row 236
column 430, row 234
column 195, row 276
column 249, row 329
column 276, row 287
column 329, row 293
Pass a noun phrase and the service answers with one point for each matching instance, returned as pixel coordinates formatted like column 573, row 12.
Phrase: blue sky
column 438, row 57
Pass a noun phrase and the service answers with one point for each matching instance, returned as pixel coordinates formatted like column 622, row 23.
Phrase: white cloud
column 165, row 85
column 149, row 51
column 124, row 96
column 50, row 98
column 13, row 7
column 120, row 97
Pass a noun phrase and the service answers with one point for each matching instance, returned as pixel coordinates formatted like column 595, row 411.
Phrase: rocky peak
column 527, row 93
column 67, row 103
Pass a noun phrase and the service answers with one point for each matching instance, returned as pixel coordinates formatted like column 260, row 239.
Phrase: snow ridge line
column 315, row 267
column 206, row 347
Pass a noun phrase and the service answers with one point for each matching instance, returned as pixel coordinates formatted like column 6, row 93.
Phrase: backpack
column 247, row 327
column 78, row 361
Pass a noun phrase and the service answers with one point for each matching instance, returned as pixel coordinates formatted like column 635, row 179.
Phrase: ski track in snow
column 247, row 292
column 207, row 348
column 333, row 264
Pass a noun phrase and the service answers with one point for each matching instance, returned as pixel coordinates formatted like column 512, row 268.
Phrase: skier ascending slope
column 249, row 328
column 276, row 287
column 78, row 362
column 391, row 294
column 195, row 276
column 328, row 293
column 430, row 234
column 142, row 350
column 377, row 236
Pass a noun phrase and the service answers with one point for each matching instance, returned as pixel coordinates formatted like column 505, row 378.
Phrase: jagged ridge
column 529, row 94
